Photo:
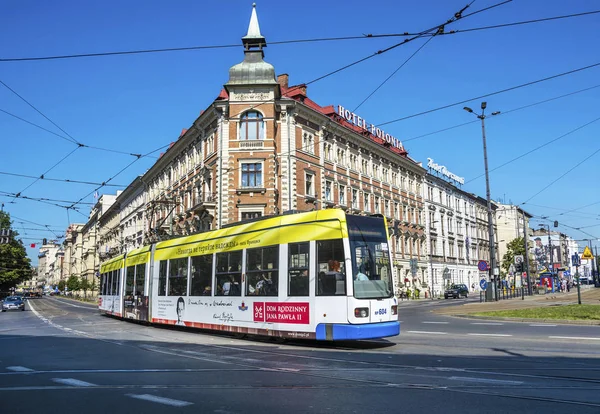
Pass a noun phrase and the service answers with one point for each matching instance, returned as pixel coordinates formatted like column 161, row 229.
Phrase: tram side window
column 201, row 284
column 229, row 274
column 262, row 266
column 178, row 277
column 129, row 281
column 162, row 278
column 115, row 282
column 109, row 283
column 103, row 284
column 140, row 278
column 331, row 280
column 298, row 269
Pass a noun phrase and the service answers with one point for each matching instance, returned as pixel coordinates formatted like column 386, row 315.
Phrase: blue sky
column 140, row 103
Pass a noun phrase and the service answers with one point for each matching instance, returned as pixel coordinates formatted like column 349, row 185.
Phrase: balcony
column 204, row 201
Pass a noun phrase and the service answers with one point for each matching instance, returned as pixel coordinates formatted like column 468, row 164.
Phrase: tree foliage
column 73, row 283
column 61, row 285
column 515, row 247
column 15, row 266
column 84, row 285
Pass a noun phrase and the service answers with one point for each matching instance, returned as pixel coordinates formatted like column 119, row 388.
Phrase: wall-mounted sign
column 444, row 171
column 362, row 123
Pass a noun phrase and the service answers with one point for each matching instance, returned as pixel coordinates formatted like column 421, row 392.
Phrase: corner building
column 264, row 148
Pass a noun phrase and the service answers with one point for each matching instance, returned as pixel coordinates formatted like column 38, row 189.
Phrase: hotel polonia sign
column 362, row 123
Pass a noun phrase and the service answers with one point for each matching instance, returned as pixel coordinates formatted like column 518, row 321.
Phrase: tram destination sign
column 362, row 123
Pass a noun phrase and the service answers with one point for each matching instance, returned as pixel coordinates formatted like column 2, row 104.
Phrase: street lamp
column 482, row 116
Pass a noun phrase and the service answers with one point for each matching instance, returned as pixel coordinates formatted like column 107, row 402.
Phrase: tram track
column 324, row 368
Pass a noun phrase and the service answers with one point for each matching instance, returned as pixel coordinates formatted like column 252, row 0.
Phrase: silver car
column 13, row 303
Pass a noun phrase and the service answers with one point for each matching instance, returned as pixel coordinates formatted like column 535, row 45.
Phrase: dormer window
column 252, row 126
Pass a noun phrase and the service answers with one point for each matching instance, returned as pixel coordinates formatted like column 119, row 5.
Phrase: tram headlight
column 394, row 309
column 361, row 312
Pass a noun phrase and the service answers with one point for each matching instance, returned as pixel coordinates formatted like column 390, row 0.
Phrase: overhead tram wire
column 393, row 73
column 65, row 138
column 562, row 176
column 536, row 148
column 41, row 113
column 523, row 85
column 293, row 41
column 72, row 206
column 544, row 19
column 546, row 218
column 46, row 172
column 60, row 180
column 566, row 210
column 501, row 113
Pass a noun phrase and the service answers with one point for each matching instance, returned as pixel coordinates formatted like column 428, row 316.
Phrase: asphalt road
column 62, row 356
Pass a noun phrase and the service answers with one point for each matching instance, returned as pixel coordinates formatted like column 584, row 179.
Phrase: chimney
column 283, row 79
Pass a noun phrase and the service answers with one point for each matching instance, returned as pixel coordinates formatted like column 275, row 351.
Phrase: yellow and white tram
column 317, row 275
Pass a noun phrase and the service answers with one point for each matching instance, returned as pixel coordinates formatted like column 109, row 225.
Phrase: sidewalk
column 589, row 296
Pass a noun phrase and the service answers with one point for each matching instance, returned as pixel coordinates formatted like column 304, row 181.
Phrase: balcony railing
column 252, row 144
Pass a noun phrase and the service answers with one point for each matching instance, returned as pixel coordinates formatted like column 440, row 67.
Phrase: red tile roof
column 298, row 93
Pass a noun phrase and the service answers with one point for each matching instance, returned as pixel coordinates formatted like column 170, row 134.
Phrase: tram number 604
column 381, row 312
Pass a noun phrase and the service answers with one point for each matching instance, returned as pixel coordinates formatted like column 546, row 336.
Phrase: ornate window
column 308, row 143
column 309, row 185
column 252, row 174
column 252, row 126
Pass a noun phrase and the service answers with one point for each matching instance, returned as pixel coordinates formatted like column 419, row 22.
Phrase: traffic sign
column 482, row 265
column 483, row 284
column 587, row 253
column 576, row 260
column 518, row 258
column 566, row 273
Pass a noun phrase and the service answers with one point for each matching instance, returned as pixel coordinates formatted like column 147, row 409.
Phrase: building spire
column 254, row 39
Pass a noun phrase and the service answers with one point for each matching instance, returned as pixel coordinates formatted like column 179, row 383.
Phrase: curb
column 556, row 321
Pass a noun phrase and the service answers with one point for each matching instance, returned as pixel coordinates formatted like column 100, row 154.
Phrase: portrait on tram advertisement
column 180, row 310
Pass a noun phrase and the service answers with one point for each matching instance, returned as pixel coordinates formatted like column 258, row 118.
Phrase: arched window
column 252, row 126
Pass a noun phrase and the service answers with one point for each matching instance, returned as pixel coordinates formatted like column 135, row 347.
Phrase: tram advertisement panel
column 297, row 312
column 184, row 311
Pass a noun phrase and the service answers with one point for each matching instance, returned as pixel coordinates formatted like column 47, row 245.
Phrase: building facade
column 457, row 231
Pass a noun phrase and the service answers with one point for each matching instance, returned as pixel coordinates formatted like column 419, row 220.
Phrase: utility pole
column 489, row 202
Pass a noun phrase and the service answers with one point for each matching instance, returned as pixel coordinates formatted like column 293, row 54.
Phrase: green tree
column 84, row 285
column 515, row 247
column 73, row 283
column 15, row 266
column 61, row 285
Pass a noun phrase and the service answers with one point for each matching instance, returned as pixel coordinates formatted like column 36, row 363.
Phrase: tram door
column 135, row 295
column 140, row 296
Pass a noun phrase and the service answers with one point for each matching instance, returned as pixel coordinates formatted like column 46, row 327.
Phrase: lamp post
column 482, row 116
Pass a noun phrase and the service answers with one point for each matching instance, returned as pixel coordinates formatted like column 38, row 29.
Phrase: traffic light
column 519, row 267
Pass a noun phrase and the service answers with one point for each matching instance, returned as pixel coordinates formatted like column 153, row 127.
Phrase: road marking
column 575, row 337
column 441, row 323
column 74, row 382
column 542, row 324
column 19, row 369
column 486, row 380
column 487, row 323
column 429, row 332
column 484, row 334
column 160, row 400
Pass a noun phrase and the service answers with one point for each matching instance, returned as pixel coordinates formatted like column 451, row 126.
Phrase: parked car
column 456, row 291
column 13, row 303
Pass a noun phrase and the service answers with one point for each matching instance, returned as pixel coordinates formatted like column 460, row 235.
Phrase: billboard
column 541, row 253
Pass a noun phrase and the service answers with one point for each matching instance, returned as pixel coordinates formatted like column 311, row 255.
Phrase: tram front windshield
column 371, row 268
